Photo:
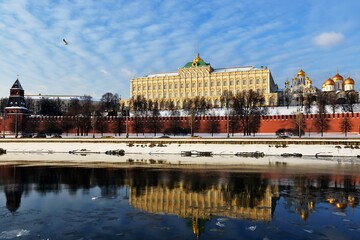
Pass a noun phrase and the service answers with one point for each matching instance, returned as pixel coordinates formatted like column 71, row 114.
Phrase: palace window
column 212, row 84
column 149, row 88
column 244, row 82
column 175, row 85
column 237, row 82
column 199, row 84
column 257, row 81
column 231, row 82
column 205, row 84
column 224, row 83
column 218, row 83
column 170, row 85
column 187, row 85
column 193, row 85
column 264, row 80
column 154, row 87
column 251, row 81
column 165, row 85
column 181, row 85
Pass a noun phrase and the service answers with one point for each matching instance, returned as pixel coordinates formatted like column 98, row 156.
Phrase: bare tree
column 154, row 124
column 248, row 106
column 227, row 99
column 213, row 125
column 287, row 97
column 299, row 124
column 109, row 104
column 321, row 121
column 308, row 99
column 195, row 107
column 351, row 98
column 332, row 101
column 119, row 126
column 346, row 125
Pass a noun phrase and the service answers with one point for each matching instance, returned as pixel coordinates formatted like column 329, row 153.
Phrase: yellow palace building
column 198, row 78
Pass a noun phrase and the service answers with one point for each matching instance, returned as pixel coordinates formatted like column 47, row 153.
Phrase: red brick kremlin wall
column 269, row 124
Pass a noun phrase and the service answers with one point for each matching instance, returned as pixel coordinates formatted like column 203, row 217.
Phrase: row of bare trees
column 344, row 100
column 243, row 111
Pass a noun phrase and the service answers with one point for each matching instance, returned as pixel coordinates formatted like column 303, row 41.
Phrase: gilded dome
column 337, row 77
column 349, row 81
column 308, row 81
column 329, row 82
column 301, row 73
column 287, row 82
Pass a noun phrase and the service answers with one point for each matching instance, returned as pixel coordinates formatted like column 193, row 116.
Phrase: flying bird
column 65, row 42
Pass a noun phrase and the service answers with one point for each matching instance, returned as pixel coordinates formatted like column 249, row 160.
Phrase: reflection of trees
column 249, row 188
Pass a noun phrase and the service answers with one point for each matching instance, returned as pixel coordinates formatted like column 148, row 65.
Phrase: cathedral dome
column 301, row 73
column 337, row 77
column 308, row 81
column 349, row 81
column 329, row 82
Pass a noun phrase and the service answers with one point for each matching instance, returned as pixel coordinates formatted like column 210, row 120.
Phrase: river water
column 97, row 201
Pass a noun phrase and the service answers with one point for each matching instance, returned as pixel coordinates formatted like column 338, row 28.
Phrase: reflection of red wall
column 269, row 124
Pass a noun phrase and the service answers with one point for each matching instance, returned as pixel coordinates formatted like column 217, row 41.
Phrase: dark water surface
column 87, row 202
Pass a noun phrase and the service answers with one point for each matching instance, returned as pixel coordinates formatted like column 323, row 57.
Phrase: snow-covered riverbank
column 171, row 152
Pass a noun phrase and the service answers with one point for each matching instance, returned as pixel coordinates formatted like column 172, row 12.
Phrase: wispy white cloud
column 329, row 39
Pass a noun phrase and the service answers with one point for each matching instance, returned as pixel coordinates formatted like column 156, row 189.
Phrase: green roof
column 197, row 62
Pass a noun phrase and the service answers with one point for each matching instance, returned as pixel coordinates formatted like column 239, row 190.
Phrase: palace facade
column 198, row 78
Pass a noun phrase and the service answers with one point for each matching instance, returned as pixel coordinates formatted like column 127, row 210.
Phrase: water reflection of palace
column 215, row 201
column 192, row 194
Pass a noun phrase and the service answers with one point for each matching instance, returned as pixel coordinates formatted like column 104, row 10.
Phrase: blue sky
column 111, row 41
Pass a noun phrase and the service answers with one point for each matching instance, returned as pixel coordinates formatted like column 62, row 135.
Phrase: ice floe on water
column 14, row 233
column 252, row 228
column 341, row 214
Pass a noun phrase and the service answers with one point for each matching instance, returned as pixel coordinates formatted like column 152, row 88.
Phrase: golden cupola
column 349, row 81
column 329, row 82
column 338, row 77
column 301, row 73
column 308, row 81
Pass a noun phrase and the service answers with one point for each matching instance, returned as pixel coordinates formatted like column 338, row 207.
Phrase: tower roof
column 196, row 62
column 17, row 84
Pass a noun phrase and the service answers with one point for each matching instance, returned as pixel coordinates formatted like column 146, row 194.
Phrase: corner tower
column 16, row 103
